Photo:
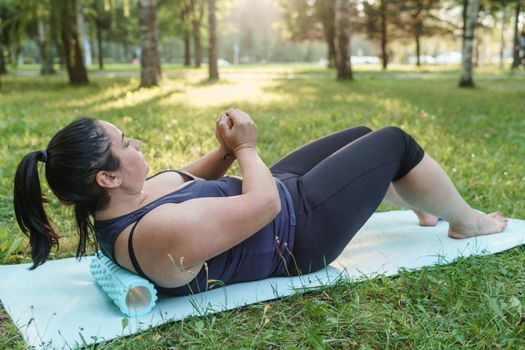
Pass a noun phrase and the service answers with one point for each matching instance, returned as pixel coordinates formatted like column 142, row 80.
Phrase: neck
column 121, row 202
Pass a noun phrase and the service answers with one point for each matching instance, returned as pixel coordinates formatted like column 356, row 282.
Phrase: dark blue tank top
column 264, row 254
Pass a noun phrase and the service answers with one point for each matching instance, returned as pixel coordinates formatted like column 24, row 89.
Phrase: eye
column 126, row 143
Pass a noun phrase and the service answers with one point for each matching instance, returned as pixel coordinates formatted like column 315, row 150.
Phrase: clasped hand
column 235, row 130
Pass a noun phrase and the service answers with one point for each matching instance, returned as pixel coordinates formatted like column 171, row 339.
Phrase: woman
column 188, row 230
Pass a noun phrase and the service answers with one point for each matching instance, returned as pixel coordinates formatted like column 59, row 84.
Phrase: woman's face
column 133, row 168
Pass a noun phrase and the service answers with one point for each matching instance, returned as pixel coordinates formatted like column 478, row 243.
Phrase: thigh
column 358, row 159
column 343, row 191
column 303, row 159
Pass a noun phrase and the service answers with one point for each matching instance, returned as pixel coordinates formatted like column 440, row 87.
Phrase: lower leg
column 427, row 187
column 393, row 198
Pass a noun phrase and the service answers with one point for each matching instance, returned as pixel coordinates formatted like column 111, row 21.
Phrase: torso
column 163, row 275
column 255, row 258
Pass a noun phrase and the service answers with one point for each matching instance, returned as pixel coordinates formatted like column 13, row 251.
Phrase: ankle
column 466, row 219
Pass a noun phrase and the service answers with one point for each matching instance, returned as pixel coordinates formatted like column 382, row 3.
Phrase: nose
column 136, row 143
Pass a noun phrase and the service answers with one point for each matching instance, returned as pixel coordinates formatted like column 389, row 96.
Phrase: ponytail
column 29, row 209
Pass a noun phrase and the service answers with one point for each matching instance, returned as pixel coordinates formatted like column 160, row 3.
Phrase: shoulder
column 165, row 181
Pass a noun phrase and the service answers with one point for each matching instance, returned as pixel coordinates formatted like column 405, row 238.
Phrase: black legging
column 337, row 182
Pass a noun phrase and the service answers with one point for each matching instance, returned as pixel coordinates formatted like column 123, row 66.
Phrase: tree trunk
column 100, row 53
column 187, row 57
column 342, row 25
column 418, row 29
column 418, row 50
column 384, row 55
column 470, row 26
column 330, row 41
column 72, row 52
column 149, row 58
column 197, row 48
column 465, row 7
column 82, row 36
column 213, row 70
column 502, row 40
column 3, row 69
column 46, row 58
column 476, row 45
column 516, row 56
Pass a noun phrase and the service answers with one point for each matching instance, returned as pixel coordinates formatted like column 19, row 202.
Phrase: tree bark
column 72, row 52
column 46, row 58
column 418, row 30
column 384, row 54
column 187, row 57
column 100, row 52
column 342, row 25
column 465, row 7
column 213, row 69
column 502, row 40
column 82, row 36
column 3, row 69
column 516, row 52
column 330, row 41
column 466, row 79
column 418, row 49
column 149, row 58
column 197, row 48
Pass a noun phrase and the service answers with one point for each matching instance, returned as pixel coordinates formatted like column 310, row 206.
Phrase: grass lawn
column 478, row 135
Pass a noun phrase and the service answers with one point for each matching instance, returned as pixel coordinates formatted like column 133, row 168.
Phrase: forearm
column 212, row 166
column 257, row 179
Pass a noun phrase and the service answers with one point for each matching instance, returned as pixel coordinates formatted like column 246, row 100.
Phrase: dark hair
column 73, row 157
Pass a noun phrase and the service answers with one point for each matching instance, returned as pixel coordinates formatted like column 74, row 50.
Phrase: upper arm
column 199, row 229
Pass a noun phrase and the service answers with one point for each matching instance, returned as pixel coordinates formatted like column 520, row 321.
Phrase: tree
column 149, row 58
column 197, row 16
column 499, row 10
column 212, row 40
column 17, row 18
column 516, row 59
column 184, row 16
column 44, row 19
column 6, row 12
column 64, row 13
column 418, row 20
column 101, row 19
column 325, row 12
column 468, row 38
column 380, row 25
column 311, row 20
column 342, row 25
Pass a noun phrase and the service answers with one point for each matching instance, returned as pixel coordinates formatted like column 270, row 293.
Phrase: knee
column 396, row 137
column 363, row 129
column 394, row 130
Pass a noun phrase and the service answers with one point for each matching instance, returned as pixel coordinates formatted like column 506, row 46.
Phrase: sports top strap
column 132, row 253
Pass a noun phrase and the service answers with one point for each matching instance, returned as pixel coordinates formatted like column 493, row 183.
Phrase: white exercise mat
column 59, row 306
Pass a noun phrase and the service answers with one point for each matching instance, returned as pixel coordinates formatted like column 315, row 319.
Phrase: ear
column 106, row 179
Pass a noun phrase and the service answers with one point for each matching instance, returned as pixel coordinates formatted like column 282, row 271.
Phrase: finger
column 228, row 121
column 222, row 115
column 235, row 115
column 223, row 127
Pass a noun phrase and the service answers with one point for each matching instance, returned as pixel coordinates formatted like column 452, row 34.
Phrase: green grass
column 477, row 135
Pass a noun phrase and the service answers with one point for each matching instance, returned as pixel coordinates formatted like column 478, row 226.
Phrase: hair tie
column 43, row 154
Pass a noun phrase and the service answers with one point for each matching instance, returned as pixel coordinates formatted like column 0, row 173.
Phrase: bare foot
column 426, row 219
column 481, row 224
